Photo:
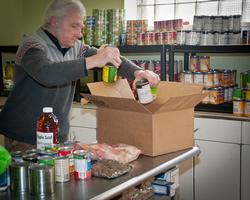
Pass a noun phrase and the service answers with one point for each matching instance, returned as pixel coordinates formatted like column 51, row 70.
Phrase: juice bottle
column 47, row 129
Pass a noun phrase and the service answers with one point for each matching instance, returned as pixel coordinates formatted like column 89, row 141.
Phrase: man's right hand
column 105, row 54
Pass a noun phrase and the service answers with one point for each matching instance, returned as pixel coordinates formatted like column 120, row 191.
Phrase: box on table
column 163, row 126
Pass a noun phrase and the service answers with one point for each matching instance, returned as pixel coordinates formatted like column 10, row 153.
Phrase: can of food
column 230, row 94
column 237, row 94
column 109, row 73
column 217, row 75
column 48, row 153
column 19, row 180
column 62, row 169
column 194, row 63
column 32, row 151
column 31, row 158
column 198, row 77
column 68, row 151
column 17, row 156
column 42, row 180
column 144, row 91
column 52, row 147
column 46, row 160
column 204, row 63
column 226, row 94
column 247, row 108
column 214, row 96
column 188, row 77
column 209, row 79
column 238, row 107
column 206, row 100
column 82, row 161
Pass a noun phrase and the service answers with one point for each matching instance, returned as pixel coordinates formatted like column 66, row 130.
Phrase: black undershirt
column 56, row 42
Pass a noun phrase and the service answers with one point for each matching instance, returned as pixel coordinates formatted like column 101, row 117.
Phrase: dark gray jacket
column 44, row 77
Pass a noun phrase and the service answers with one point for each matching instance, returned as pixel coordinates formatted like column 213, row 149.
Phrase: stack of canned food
column 116, row 25
column 89, row 27
column 36, row 171
column 212, row 30
column 219, row 83
column 241, row 97
column 100, row 33
column 155, row 66
column 135, row 27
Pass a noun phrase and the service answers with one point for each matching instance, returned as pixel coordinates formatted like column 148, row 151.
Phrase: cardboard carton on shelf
column 163, row 126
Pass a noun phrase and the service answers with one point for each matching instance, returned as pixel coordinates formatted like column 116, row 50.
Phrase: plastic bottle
column 47, row 129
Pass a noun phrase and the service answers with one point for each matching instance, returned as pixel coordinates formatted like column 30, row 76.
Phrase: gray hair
column 60, row 8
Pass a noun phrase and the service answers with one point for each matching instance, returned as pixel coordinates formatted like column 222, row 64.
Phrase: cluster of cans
column 156, row 38
column 36, row 171
column 155, row 66
column 212, row 30
column 104, row 26
column 168, row 25
column 135, row 27
column 241, row 102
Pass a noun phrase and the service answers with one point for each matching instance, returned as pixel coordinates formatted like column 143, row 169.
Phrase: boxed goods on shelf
column 163, row 126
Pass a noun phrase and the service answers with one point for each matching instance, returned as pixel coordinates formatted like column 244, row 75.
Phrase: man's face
column 70, row 29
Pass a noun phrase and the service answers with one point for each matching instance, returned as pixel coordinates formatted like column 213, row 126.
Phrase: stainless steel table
column 100, row 189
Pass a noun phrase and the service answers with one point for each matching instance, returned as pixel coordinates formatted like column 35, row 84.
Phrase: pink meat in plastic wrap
column 120, row 152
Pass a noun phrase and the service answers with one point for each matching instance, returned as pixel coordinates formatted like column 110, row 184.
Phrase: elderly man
column 48, row 64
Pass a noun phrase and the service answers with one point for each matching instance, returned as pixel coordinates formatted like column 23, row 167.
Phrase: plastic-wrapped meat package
column 120, row 152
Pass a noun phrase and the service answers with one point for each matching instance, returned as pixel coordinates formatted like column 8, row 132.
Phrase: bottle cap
column 47, row 109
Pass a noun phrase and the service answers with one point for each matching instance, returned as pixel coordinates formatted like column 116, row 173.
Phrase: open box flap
column 120, row 88
column 118, row 103
column 181, row 102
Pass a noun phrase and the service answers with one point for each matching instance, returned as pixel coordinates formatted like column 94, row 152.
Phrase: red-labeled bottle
column 47, row 129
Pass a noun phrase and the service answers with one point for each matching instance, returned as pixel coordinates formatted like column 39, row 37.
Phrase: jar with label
column 209, row 79
column 144, row 91
column 198, row 78
column 47, row 129
column 204, row 63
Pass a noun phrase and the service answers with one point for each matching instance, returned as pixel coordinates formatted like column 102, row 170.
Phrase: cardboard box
column 163, row 126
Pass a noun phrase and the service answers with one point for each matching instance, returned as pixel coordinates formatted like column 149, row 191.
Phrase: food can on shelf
column 247, row 108
column 198, row 77
column 237, row 94
column 223, row 38
column 204, row 38
column 31, row 158
column 230, row 93
column 225, row 23
column 188, row 77
column 194, row 63
column 217, row 23
column 221, row 94
column 204, row 63
column 62, row 169
column 82, row 162
column 208, row 23
column 226, row 94
column 238, row 107
column 226, row 78
column 209, row 79
column 181, row 37
column 210, row 38
column 214, row 96
column 206, row 100
column 198, row 23
column 217, row 75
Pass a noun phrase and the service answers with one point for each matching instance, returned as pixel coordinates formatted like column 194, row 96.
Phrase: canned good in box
column 82, row 162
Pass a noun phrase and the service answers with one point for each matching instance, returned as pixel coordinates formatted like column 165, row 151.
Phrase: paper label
column 43, row 139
